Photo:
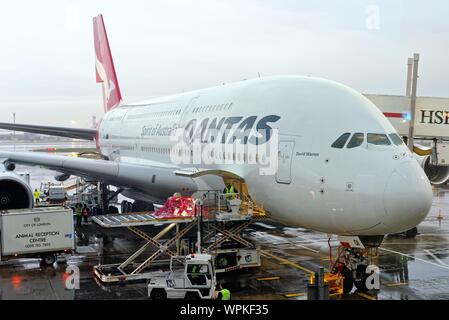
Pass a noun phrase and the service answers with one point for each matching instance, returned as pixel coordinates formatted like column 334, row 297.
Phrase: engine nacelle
column 15, row 193
column 9, row 166
column 61, row 177
column 437, row 174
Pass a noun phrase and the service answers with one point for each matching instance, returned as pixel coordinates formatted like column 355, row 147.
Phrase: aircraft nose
column 407, row 197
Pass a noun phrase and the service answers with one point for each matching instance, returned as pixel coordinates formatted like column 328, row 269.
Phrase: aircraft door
column 285, row 155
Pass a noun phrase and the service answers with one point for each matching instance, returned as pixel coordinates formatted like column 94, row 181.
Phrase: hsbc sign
column 434, row 116
column 431, row 116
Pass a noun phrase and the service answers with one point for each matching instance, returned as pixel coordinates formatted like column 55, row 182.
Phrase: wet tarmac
column 410, row 269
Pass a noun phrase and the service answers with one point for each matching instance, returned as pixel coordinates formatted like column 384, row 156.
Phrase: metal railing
column 215, row 200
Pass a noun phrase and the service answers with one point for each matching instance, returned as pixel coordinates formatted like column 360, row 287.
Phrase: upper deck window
column 396, row 139
column 341, row 141
column 378, row 139
column 356, row 140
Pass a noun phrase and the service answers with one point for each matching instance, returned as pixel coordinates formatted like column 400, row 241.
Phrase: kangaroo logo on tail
column 104, row 66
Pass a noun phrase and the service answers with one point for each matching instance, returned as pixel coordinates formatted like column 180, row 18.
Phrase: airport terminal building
column 431, row 114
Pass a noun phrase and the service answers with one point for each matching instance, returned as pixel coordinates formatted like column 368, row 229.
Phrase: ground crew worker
column 78, row 212
column 229, row 192
column 223, row 294
column 85, row 213
column 37, row 196
column 194, row 275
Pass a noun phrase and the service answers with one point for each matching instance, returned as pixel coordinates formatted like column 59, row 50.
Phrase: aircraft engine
column 60, row 176
column 437, row 174
column 15, row 192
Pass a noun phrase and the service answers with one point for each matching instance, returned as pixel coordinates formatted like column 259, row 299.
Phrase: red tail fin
column 104, row 66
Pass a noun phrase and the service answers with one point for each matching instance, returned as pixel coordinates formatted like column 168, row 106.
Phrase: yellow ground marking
column 293, row 295
column 287, row 262
column 366, row 296
column 396, row 284
column 268, row 278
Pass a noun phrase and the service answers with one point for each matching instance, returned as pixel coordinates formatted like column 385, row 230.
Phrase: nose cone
column 407, row 197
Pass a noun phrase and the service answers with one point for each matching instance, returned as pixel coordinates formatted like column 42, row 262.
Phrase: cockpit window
column 340, row 142
column 356, row 140
column 396, row 139
column 378, row 139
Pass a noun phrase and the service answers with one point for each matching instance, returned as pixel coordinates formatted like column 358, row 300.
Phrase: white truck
column 192, row 279
column 39, row 233
column 56, row 194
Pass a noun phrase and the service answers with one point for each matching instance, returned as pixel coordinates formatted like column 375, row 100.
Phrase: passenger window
column 356, row 140
column 378, row 139
column 396, row 139
column 341, row 141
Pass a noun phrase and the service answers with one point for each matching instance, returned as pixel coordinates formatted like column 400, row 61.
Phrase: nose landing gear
column 357, row 265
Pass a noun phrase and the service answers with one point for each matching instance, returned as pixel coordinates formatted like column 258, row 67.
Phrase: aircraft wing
column 76, row 133
column 155, row 180
column 89, row 168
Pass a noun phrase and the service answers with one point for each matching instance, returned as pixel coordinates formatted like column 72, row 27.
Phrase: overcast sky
column 169, row 46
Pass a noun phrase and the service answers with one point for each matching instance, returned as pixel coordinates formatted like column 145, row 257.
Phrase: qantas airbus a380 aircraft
column 341, row 167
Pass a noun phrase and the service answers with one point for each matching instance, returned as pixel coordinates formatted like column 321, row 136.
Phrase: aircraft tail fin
column 104, row 66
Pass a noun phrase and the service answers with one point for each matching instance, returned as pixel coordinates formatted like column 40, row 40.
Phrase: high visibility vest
column 230, row 193
column 78, row 211
column 37, row 194
column 225, row 294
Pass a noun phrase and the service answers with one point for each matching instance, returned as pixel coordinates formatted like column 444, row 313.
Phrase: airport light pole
column 411, row 132
column 199, row 217
column 409, row 77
